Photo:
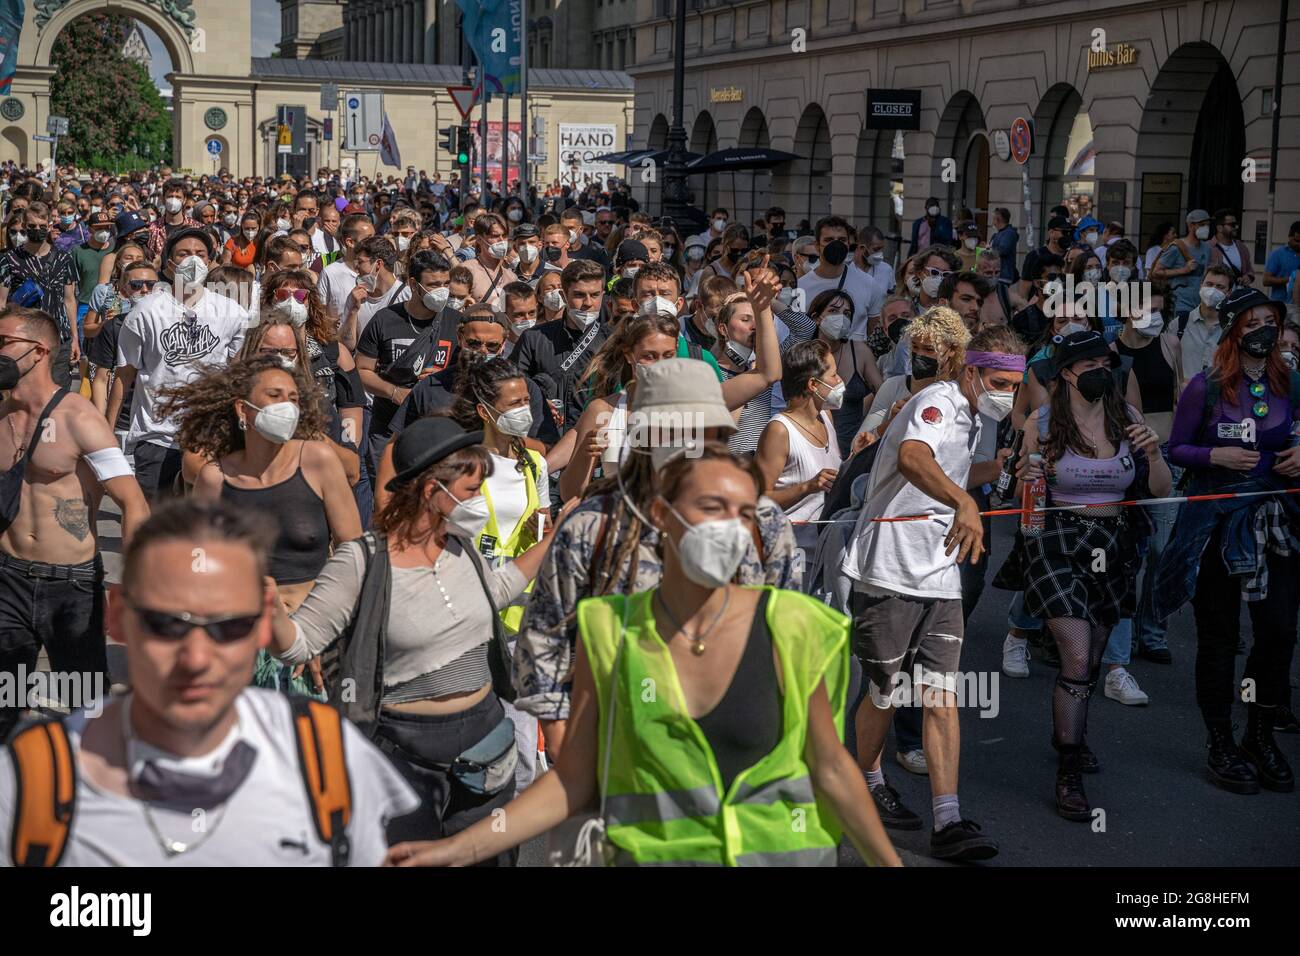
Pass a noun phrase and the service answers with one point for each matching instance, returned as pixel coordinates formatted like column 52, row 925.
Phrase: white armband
column 108, row 463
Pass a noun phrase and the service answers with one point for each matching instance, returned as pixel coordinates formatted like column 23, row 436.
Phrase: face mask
column 230, row 219
column 971, row 242
column 1094, row 383
column 553, row 300
column 924, row 366
column 741, row 354
column 1212, row 296
column 469, row 517
column 499, row 249
column 835, row 252
column 1120, row 273
column 94, row 209
column 584, row 318
column 276, row 422
column 295, row 311
column 913, row 285
column 515, row 215
column 996, row 405
column 1260, row 342
column 283, row 225
column 403, row 243
column 434, row 299
column 1090, row 238
column 272, row 193
column 631, row 271
column 515, row 422
column 668, row 251
column 250, row 234
column 719, row 225
column 528, row 254
column 9, row 374
column 659, row 305
column 191, row 271
column 1071, row 328
column 102, row 236
column 1203, row 233
column 172, row 205
column 835, row 397
column 17, row 238
column 455, row 303
column 710, row 552
column 1151, row 326
column 67, row 221
column 694, row 255
column 932, row 210
column 368, row 281
column 930, row 286
column 1292, row 362
column 1092, row 275
column 835, row 326
column 573, row 236
column 37, row 235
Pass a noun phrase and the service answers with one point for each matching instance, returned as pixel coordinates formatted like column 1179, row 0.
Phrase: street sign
column 214, row 147
column 329, row 97
column 363, row 120
column 327, row 132
column 1022, row 140
column 464, row 97
column 285, row 136
column 44, row 139
column 57, row 125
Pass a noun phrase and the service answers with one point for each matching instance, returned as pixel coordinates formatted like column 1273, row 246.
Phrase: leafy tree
column 116, row 117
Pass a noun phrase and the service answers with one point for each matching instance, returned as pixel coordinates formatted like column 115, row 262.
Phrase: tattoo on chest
column 73, row 516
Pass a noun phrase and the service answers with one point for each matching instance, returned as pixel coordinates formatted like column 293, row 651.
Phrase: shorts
column 157, row 469
column 920, row 637
column 1060, row 580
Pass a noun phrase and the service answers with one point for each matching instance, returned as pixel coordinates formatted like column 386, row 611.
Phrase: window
column 722, row 28
column 622, row 53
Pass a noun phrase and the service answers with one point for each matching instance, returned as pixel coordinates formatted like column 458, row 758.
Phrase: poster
column 494, row 147
column 584, row 142
column 11, row 25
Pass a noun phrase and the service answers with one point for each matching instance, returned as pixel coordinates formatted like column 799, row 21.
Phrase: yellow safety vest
column 664, row 802
column 493, row 548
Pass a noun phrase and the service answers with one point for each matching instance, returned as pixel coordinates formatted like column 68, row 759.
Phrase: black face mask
column 1260, row 342
column 9, row 374
column 923, row 366
column 37, row 235
column 309, row 222
column 1094, row 383
column 553, row 254
column 835, row 252
column 895, row 330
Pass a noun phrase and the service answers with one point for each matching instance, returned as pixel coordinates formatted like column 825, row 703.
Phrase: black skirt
column 1082, row 567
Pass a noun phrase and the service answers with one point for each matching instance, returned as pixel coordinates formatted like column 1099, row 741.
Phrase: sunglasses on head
column 224, row 630
column 135, row 285
column 299, row 294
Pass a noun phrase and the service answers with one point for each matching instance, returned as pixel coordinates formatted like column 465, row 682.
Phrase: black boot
column 1259, row 748
column 1071, row 801
column 1225, row 765
column 1284, row 721
column 1088, row 762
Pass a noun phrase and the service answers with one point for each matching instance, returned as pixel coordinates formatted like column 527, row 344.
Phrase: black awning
column 726, row 160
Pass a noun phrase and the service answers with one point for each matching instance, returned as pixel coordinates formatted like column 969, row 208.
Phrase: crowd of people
column 441, row 508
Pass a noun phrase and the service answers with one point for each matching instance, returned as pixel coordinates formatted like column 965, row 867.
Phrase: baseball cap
column 525, row 230
column 631, row 250
column 1059, row 222
column 1198, row 215
column 128, row 222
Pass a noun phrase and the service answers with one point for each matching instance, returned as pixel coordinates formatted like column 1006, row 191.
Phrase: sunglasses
column 941, row 273
column 299, row 294
column 223, row 630
column 6, row 339
column 135, row 285
column 284, row 353
column 492, row 348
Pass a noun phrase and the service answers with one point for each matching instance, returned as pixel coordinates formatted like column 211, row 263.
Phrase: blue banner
column 493, row 29
column 11, row 25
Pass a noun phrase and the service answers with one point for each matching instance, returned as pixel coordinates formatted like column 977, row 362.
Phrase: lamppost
column 675, row 193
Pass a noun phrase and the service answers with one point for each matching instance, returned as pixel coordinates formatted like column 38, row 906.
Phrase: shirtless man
column 59, row 456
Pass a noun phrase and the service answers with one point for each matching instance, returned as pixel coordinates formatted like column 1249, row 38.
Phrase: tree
column 116, row 117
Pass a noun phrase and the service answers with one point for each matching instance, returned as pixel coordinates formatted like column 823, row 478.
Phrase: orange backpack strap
column 324, row 768
column 46, row 776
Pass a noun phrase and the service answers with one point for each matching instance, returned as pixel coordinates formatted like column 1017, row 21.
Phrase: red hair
column 1227, row 366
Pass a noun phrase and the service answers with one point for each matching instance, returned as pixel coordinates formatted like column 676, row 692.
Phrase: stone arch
column 812, row 144
column 753, row 133
column 171, row 34
column 1053, row 120
column 962, row 137
column 703, row 140
column 657, row 138
column 16, row 137
column 877, row 169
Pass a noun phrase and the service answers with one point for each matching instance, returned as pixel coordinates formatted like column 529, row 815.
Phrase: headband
column 1002, row 361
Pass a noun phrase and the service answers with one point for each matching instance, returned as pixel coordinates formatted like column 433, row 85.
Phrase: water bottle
column 1032, row 520
column 1007, row 477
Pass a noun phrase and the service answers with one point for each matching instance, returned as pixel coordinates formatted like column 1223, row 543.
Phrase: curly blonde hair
column 941, row 329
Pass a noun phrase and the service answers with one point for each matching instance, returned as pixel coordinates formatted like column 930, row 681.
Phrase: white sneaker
column 913, row 761
column 1121, row 686
column 1015, row 656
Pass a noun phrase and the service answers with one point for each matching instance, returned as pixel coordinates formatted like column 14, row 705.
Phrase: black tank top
column 302, row 547
column 746, row 724
column 1155, row 376
column 848, row 417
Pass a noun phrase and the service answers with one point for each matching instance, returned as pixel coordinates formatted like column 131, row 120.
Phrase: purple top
column 1191, row 450
column 1092, row 481
column 73, row 237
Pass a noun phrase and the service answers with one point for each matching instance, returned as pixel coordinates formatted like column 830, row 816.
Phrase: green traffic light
column 462, row 158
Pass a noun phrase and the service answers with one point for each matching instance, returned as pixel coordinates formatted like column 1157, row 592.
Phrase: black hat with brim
column 423, row 444
column 190, row 233
column 1078, row 346
column 1241, row 300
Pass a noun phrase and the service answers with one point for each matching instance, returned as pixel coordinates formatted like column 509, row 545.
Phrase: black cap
column 1060, row 223
column 1077, row 346
column 1241, row 300
column 129, row 222
column 190, row 233
column 525, row 230
column 424, row 443
column 631, row 250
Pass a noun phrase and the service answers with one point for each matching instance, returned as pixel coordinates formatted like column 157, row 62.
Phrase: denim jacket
column 1197, row 521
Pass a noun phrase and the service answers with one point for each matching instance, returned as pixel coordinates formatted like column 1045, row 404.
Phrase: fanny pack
column 29, row 294
column 484, row 768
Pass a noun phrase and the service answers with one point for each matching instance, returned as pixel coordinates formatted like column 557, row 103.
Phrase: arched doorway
column 753, row 133
column 704, row 140
column 878, row 182
column 1064, row 156
column 173, row 36
column 657, row 138
column 1192, row 139
column 962, row 138
column 804, row 188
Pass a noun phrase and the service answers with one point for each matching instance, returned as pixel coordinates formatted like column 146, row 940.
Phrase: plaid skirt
column 1082, row 567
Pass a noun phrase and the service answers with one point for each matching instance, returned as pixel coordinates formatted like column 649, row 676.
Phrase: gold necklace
column 20, row 444
column 697, row 642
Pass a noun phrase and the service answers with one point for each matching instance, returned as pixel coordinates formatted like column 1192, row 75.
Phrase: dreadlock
column 622, row 526
column 206, row 406
column 480, row 384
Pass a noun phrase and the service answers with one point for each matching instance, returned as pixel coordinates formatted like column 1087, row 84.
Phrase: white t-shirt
column 866, row 293
column 510, row 496
column 266, row 823
column 169, row 344
column 882, row 272
column 336, row 282
column 397, row 292
column 907, row 557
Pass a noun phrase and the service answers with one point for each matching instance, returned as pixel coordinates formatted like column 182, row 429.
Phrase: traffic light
column 447, row 138
column 463, row 143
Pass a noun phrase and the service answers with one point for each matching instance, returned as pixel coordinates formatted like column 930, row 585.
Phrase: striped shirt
column 753, row 419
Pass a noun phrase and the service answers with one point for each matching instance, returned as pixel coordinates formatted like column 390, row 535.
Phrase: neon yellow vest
column 489, row 540
column 665, row 803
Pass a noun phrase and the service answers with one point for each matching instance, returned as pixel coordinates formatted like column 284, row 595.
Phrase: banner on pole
column 493, row 29
column 11, row 26
column 388, row 150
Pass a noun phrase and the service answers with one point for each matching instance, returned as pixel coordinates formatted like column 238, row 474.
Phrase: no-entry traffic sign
column 1022, row 140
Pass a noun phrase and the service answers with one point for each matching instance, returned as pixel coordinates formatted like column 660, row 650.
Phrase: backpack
column 47, row 784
